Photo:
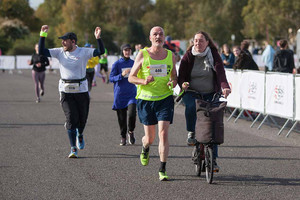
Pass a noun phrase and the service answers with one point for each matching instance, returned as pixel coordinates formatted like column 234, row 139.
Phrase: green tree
column 171, row 15
column 19, row 9
column 271, row 18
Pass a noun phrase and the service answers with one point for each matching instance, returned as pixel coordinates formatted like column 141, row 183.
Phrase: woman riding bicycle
column 201, row 71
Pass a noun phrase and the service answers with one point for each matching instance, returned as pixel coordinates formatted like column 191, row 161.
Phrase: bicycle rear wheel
column 209, row 164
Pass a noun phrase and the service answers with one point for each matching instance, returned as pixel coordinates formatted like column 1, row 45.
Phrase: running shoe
column 144, row 158
column 163, row 176
column 123, row 142
column 42, row 93
column 38, row 100
column 103, row 79
column 131, row 138
column 79, row 141
column 73, row 153
column 191, row 141
column 94, row 84
column 216, row 167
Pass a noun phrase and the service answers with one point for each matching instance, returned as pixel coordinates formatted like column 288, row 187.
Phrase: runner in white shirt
column 73, row 85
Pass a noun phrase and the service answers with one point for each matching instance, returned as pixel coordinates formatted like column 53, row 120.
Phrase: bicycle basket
column 209, row 125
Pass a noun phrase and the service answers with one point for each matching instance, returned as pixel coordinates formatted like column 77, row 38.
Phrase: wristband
column 43, row 34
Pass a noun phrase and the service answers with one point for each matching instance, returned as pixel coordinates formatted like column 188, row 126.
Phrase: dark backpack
column 280, row 63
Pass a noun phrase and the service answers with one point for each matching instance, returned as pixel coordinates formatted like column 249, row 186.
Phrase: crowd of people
column 143, row 86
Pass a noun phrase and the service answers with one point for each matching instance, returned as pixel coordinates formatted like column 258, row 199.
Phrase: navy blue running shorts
column 150, row 112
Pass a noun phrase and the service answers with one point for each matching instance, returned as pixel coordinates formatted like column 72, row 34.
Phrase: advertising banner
column 7, row 62
column 279, row 94
column 252, row 91
column 297, row 98
column 233, row 78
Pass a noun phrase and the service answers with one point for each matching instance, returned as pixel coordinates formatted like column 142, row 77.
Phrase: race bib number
column 71, row 87
column 123, row 69
column 158, row 70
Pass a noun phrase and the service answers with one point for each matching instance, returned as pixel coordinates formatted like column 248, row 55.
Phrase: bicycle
column 204, row 160
column 209, row 114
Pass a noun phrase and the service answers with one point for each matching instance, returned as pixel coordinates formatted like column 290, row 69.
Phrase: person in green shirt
column 154, row 73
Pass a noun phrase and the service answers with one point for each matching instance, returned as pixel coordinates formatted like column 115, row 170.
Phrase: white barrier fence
column 270, row 94
column 21, row 62
column 7, row 62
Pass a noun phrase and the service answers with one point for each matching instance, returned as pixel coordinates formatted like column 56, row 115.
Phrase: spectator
column 227, row 56
column 243, row 60
column 284, row 59
column 245, row 46
column 268, row 56
column 138, row 47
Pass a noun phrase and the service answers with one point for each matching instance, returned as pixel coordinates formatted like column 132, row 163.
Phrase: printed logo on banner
column 278, row 94
column 252, row 90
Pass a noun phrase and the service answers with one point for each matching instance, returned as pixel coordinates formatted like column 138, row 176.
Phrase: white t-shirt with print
column 72, row 65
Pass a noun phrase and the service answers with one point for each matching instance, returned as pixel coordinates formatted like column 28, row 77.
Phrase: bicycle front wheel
column 198, row 167
column 209, row 164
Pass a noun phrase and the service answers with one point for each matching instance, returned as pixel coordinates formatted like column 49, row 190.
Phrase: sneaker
column 73, row 153
column 79, row 141
column 163, row 176
column 123, row 142
column 216, row 167
column 107, row 81
column 131, row 138
column 38, row 100
column 103, row 79
column 191, row 141
column 42, row 93
column 94, row 84
column 144, row 158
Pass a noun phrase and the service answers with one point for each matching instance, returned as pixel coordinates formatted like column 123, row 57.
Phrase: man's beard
column 67, row 48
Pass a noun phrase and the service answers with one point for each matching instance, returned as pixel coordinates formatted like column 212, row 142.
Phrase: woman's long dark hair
column 211, row 43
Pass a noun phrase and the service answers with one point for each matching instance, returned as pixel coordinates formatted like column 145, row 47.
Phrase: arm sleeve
column 100, row 50
column 46, row 61
column 42, row 50
column 115, row 74
column 182, row 76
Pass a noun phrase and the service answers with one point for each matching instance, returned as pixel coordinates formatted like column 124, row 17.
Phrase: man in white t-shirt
column 73, row 87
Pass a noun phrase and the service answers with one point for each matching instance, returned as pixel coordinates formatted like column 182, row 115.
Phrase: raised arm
column 100, row 47
column 43, row 35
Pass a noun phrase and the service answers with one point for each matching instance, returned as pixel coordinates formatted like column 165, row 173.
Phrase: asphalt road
column 255, row 164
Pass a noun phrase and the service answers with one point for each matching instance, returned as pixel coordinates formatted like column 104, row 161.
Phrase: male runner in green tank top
column 154, row 74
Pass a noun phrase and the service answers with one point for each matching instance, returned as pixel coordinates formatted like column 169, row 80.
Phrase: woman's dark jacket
column 187, row 64
column 244, row 61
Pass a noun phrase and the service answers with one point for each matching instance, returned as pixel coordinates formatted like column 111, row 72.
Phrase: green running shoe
column 144, row 158
column 163, row 176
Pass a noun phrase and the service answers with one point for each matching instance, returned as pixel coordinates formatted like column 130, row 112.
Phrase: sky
column 35, row 3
